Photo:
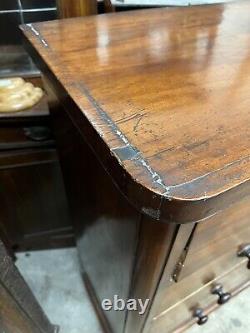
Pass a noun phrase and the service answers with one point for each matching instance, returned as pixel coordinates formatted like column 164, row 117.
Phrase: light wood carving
column 17, row 95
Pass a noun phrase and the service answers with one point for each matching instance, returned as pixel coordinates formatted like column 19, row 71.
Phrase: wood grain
column 166, row 90
column 215, row 243
column 151, row 106
column 105, row 224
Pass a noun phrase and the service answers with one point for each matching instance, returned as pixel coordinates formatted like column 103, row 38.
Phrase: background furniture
column 76, row 8
column 19, row 310
column 34, row 211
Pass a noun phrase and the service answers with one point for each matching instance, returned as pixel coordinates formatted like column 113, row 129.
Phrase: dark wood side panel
column 106, row 224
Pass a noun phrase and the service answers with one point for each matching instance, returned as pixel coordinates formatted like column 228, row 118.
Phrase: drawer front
column 180, row 315
column 216, row 242
column 213, row 251
column 16, row 137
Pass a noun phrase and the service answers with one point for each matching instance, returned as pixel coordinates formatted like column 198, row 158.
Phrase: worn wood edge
column 158, row 202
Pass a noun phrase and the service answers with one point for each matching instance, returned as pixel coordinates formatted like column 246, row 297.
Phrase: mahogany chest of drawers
column 151, row 116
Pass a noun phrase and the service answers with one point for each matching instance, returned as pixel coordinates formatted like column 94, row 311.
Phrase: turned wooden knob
column 245, row 252
column 199, row 314
column 224, row 297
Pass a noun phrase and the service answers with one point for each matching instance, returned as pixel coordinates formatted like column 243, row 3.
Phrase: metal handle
column 202, row 318
column 245, row 252
column 224, row 297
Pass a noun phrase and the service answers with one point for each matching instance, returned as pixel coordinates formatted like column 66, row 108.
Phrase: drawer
column 17, row 137
column 216, row 241
column 180, row 315
column 212, row 252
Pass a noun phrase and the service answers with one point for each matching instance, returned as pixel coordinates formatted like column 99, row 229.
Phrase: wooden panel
column 146, row 83
column 12, row 319
column 34, row 212
column 216, row 242
column 154, row 244
column 15, row 137
column 19, row 310
column 180, row 314
column 106, row 225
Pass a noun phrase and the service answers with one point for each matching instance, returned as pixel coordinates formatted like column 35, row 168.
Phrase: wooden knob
column 224, row 297
column 245, row 252
column 199, row 314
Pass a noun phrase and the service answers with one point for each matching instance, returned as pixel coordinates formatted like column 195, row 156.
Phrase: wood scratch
column 140, row 116
column 122, row 120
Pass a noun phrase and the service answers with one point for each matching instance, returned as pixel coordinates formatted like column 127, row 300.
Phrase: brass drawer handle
column 245, row 252
column 202, row 318
column 224, row 297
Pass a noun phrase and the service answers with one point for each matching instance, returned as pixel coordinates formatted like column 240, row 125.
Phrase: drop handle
column 224, row 297
column 201, row 316
column 245, row 252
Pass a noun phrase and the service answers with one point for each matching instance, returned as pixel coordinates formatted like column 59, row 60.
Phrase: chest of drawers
column 151, row 117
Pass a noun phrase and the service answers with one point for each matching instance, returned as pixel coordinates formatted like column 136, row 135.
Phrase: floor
column 55, row 280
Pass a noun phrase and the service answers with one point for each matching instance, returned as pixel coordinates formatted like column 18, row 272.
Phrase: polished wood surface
column 151, row 112
column 74, row 8
column 166, row 92
column 19, row 310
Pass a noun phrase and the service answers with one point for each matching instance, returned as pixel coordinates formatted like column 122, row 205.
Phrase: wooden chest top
column 168, row 93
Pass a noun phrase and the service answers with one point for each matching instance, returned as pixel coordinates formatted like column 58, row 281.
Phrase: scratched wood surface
column 167, row 93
